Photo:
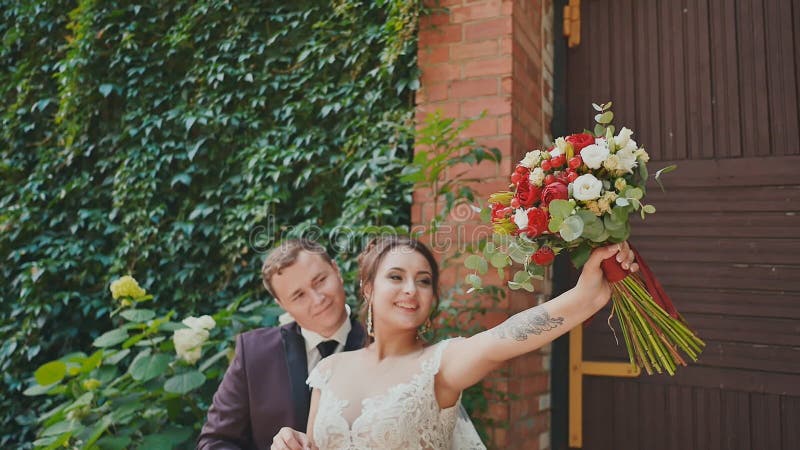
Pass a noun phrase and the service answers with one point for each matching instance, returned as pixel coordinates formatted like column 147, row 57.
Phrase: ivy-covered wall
column 176, row 141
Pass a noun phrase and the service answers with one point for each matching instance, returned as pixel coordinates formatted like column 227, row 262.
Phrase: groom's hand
column 289, row 439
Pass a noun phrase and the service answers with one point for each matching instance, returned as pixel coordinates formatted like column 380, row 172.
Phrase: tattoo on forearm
column 531, row 321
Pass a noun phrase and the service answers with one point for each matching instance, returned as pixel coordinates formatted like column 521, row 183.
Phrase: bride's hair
column 372, row 255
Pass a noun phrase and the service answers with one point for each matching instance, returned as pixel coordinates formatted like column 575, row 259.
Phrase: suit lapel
column 355, row 339
column 295, row 350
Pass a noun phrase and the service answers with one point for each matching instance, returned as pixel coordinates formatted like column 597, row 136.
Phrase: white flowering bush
column 146, row 383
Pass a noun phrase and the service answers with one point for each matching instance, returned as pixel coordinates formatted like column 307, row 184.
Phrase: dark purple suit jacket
column 264, row 389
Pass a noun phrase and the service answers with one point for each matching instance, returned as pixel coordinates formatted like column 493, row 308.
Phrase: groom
column 265, row 387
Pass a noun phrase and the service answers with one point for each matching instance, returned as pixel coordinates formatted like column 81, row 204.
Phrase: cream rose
column 189, row 342
column 536, row 177
column 200, row 323
column 521, row 219
column 586, row 187
column 531, row 159
column 594, row 155
column 623, row 137
column 627, row 159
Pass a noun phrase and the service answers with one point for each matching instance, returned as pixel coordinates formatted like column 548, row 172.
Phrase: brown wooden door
column 711, row 85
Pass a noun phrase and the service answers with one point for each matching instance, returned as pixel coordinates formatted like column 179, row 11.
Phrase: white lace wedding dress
column 402, row 414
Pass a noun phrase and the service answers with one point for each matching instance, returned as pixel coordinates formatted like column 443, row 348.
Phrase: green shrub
column 176, row 141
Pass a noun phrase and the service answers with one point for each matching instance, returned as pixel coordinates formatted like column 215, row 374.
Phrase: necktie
column 326, row 348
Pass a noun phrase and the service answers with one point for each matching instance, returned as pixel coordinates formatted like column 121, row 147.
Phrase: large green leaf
column 147, row 366
column 138, row 315
column 111, row 338
column 184, row 382
column 50, row 373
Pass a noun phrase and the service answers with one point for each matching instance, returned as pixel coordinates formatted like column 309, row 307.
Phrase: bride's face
column 403, row 292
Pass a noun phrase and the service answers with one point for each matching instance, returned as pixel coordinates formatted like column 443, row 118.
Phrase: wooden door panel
column 712, row 86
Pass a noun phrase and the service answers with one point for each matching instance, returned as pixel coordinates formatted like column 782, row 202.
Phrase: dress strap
column 320, row 376
column 432, row 365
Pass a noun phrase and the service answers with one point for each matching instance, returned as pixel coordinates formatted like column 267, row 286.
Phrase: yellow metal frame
column 572, row 23
column 578, row 368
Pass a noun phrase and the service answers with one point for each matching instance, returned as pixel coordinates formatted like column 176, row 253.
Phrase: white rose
column 531, row 159
column 537, row 176
column 188, row 343
column 521, row 219
column 594, row 155
column 200, row 323
column 627, row 159
column 586, row 187
column 622, row 138
column 556, row 152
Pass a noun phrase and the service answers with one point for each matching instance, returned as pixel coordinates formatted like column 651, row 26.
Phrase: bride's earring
column 370, row 329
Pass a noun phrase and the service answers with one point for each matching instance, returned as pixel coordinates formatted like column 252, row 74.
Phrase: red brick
column 433, row 54
column 432, row 93
column 481, row 127
column 488, row 29
column 507, row 8
column 476, row 11
column 506, row 85
column 506, row 45
column 493, row 106
column 439, row 72
column 467, row 50
column 436, row 18
column 504, row 125
column 446, row 109
column 473, row 88
column 443, row 34
column 483, row 67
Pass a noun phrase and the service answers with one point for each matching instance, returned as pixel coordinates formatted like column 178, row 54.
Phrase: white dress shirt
column 313, row 339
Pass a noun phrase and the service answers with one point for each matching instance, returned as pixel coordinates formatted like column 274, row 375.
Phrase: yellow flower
column 642, row 155
column 91, row 384
column 504, row 226
column 620, row 184
column 592, row 206
column 126, row 286
column 502, row 197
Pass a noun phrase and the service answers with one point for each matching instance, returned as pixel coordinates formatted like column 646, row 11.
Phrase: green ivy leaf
column 499, row 260
column 604, row 118
column 50, row 373
column 185, row 382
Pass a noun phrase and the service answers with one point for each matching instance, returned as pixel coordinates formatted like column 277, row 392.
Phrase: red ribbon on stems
column 613, row 271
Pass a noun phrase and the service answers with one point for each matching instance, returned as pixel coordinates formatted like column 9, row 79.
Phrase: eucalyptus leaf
column 571, row 229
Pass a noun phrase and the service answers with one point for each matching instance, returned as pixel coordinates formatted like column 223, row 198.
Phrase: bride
column 398, row 393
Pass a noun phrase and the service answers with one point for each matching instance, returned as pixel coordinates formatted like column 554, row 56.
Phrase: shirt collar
column 313, row 339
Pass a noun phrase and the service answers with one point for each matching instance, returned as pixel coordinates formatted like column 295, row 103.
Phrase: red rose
column 579, row 141
column 527, row 193
column 544, row 256
column 499, row 211
column 537, row 222
column 554, row 191
column 520, row 175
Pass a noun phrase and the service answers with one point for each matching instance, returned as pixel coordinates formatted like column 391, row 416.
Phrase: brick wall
column 496, row 56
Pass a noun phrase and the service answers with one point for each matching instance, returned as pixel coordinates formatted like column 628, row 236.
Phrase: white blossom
column 586, row 187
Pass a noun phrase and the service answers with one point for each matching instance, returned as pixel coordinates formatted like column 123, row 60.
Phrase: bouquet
column 574, row 197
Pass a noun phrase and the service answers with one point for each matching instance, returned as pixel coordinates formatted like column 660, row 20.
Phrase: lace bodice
column 406, row 416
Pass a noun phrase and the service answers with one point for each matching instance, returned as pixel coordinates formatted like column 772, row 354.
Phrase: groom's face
column 311, row 290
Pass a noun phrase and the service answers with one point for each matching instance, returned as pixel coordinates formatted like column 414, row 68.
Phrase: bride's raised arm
column 467, row 361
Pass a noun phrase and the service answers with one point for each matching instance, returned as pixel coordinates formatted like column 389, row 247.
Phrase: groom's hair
column 285, row 254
